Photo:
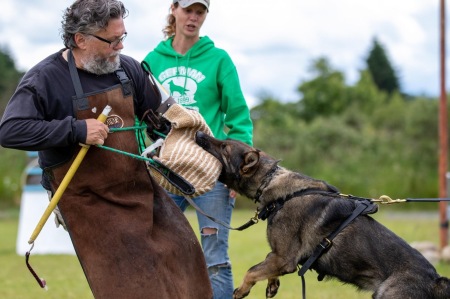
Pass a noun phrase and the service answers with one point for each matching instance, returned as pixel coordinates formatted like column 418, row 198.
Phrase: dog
column 302, row 212
column 176, row 88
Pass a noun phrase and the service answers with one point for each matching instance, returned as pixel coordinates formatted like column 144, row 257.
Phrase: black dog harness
column 362, row 206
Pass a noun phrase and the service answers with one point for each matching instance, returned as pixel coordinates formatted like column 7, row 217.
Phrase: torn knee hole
column 209, row 231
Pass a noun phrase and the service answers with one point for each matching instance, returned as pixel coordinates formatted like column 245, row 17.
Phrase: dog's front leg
column 272, row 287
column 272, row 267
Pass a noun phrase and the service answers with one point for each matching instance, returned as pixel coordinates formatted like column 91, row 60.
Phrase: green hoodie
column 204, row 79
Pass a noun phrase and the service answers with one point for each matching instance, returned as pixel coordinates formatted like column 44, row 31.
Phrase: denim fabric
column 218, row 204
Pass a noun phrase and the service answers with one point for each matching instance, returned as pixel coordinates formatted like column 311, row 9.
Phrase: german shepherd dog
column 364, row 253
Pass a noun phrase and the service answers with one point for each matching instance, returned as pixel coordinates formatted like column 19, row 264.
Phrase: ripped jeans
column 218, row 204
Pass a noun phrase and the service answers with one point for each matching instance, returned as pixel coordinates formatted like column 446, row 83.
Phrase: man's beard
column 100, row 65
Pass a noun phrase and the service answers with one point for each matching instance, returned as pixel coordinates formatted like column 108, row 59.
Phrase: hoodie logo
column 173, row 87
column 182, row 84
column 182, row 89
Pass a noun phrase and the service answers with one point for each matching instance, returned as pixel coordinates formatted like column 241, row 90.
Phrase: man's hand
column 97, row 132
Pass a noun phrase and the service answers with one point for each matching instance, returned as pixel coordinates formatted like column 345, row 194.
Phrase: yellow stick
column 65, row 182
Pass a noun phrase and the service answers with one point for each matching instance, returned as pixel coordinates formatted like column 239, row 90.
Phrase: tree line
column 367, row 139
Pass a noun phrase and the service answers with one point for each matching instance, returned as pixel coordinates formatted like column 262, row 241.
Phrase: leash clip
column 255, row 219
column 384, row 199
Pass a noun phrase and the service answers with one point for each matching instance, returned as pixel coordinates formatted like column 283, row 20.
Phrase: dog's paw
column 237, row 294
column 272, row 287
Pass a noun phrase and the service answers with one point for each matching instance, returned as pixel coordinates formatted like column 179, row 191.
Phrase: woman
column 202, row 77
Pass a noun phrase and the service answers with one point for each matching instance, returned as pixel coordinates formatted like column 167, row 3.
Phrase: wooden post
column 443, row 139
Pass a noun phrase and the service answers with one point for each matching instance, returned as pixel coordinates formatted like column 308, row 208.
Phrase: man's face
column 103, row 48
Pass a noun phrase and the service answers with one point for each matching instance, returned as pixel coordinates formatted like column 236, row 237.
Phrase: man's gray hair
column 88, row 17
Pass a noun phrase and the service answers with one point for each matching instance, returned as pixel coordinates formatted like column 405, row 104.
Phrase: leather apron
column 131, row 239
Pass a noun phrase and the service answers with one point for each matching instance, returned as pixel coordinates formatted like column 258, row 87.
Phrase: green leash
column 179, row 182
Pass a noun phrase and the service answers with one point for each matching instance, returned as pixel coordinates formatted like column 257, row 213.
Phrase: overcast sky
column 272, row 43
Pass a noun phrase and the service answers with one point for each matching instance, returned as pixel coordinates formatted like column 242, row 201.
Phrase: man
column 115, row 213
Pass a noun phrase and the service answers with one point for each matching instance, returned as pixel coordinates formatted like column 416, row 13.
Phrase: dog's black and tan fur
column 365, row 254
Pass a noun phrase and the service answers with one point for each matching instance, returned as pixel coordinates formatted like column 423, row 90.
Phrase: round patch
column 114, row 121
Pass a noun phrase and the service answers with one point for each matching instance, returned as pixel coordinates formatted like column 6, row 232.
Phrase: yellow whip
column 66, row 180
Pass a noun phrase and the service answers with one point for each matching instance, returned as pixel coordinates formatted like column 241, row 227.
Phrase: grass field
column 66, row 280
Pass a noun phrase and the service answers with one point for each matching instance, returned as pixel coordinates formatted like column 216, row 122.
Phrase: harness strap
column 273, row 207
column 361, row 207
column 326, row 243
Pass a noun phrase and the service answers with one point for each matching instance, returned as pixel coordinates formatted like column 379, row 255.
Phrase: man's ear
column 250, row 160
column 80, row 40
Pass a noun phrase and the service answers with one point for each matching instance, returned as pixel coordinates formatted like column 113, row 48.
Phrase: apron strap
column 80, row 102
column 127, row 87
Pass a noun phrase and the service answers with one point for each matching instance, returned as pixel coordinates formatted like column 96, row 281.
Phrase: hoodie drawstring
column 186, row 73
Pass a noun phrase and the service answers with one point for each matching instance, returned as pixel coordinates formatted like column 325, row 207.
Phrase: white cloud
column 271, row 43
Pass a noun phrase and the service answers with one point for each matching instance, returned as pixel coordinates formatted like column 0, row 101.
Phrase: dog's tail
column 442, row 288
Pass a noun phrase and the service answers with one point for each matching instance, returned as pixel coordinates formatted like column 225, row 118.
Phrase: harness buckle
column 271, row 207
column 326, row 243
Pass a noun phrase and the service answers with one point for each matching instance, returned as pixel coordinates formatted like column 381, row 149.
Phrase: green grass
column 66, row 280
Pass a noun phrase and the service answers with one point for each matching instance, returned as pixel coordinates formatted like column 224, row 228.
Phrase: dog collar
column 266, row 181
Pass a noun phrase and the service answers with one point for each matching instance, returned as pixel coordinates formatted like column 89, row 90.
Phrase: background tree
column 12, row 162
column 363, row 139
column 381, row 69
column 325, row 94
column 9, row 77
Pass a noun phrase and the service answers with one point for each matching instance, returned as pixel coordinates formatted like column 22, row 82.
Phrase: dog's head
column 243, row 167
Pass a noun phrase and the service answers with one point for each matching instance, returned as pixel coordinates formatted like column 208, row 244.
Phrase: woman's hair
column 88, row 17
column 169, row 29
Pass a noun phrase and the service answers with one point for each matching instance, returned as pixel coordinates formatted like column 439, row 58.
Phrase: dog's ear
column 250, row 159
column 332, row 188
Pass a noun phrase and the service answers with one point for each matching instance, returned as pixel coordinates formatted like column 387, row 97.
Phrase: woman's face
column 189, row 20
